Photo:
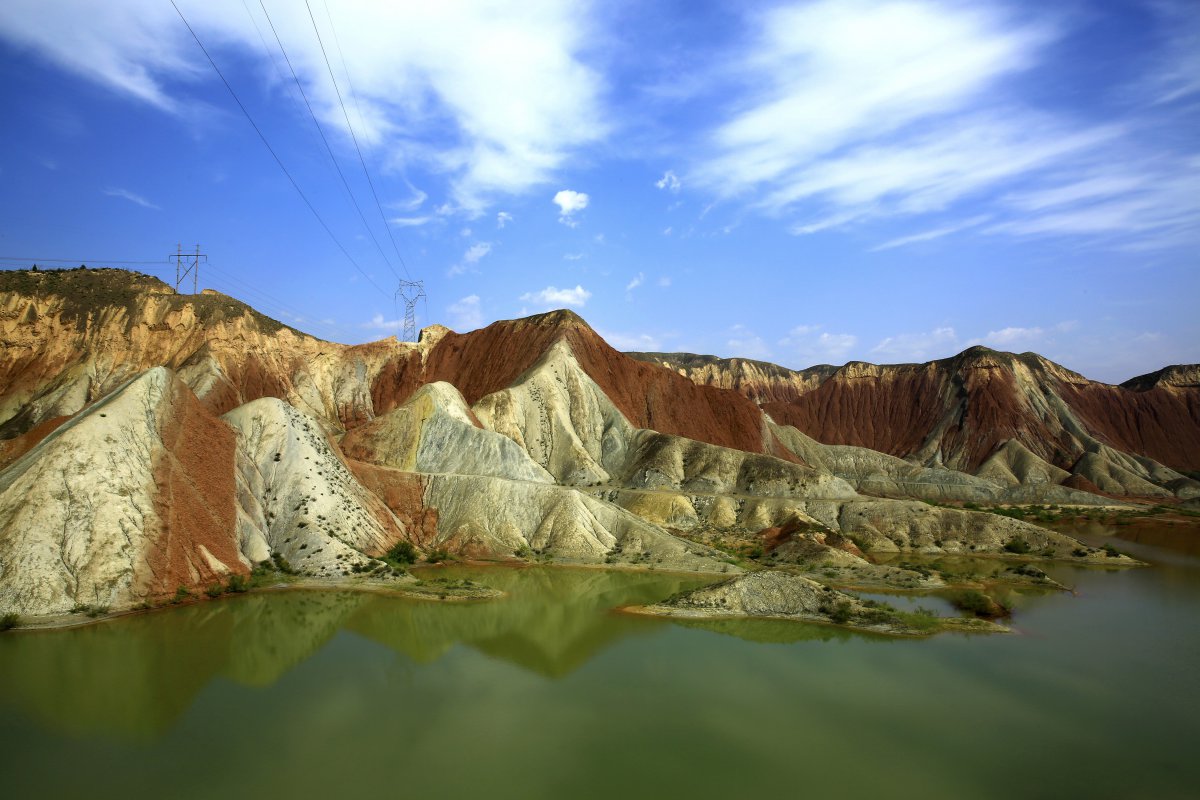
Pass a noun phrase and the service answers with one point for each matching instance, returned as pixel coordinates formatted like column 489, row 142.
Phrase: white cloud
column 637, row 342
column 637, row 281
column 745, row 343
column 570, row 202
column 410, row 222
column 495, row 95
column 1006, row 338
column 380, row 324
column 572, row 256
column 847, row 71
column 470, row 258
column 809, row 345
column 927, row 236
column 552, row 297
column 669, row 181
column 938, row 343
column 125, row 194
column 466, row 314
column 664, row 282
column 667, row 231
column 503, row 218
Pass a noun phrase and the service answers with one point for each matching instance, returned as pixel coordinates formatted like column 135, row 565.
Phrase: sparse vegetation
column 976, row 602
column 9, row 621
column 402, row 553
column 1017, row 545
column 215, row 590
column 438, row 556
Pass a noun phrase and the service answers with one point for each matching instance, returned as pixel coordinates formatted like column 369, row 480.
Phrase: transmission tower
column 183, row 268
column 411, row 292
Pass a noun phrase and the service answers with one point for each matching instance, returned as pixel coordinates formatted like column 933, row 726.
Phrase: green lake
column 549, row 693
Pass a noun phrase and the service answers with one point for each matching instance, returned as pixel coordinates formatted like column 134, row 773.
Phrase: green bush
column 281, row 563
column 237, row 584
column 437, row 556
column 976, row 602
column 402, row 553
column 181, row 594
column 9, row 621
column 1111, row 551
column 216, row 590
column 1017, row 545
column 841, row 612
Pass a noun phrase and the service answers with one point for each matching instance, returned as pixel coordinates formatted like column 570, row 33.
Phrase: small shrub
column 9, row 621
column 437, row 556
column 1111, row 551
column 841, row 612
column 96, row 611
column 216, row 590
column 976, row 602
column 282, row 564
column 181, row 594
column 402, row 553
column 524, row 552
column 1080, row 552
column 1017, row 545
column 237, row 584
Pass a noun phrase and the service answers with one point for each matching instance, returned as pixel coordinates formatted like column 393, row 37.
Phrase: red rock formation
column 195, row 499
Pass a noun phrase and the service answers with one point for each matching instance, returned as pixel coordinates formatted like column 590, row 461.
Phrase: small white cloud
column 810, row 345
column 125, row 194
column 569, row 203
column 664, row 282
column 465, row 233
column 503, row 218
column 470, row 258
column 378, row 323
column 552, row 297
column 410, row 222
column 667, row 230
column 413, row 203
column 939, row 342
column 466, row 314
column 638, row 342
column 669, row 181
column 572, row 256
column 1008, row 337
column 744, row 343
column 637, row 281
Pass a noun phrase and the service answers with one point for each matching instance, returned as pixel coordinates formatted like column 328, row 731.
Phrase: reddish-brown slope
column 1161, row 422
column 195, row 497
column 493, row 358
column 966, row 406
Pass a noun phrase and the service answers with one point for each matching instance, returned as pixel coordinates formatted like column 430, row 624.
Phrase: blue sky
column 806, row 183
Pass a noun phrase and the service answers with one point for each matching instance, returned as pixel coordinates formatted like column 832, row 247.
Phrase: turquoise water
column 548, row 693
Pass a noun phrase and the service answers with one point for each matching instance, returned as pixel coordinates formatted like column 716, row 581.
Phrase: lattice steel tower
column 411, row 292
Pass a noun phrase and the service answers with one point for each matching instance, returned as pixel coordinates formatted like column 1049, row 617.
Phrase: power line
column 324, row 139
column 357, row 149
column 275, row 155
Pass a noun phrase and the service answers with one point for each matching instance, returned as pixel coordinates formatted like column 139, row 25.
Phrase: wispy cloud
column 637, row 281
column 470, row 258
column 379, row 323
column 125, row 194
column 495, row 96
column 552, row 297
column 466, row 314
column 923, row 346
column 669, row 181
column 808, row 345
column 930, row 235
column 503, row 218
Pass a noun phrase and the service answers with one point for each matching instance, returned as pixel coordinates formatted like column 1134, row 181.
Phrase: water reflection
column 138, row 674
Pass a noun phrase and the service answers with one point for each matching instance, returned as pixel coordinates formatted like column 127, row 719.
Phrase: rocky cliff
column 152, row 442
column 1012, row 420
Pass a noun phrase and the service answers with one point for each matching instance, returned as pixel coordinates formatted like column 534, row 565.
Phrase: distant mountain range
column 152, row 442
